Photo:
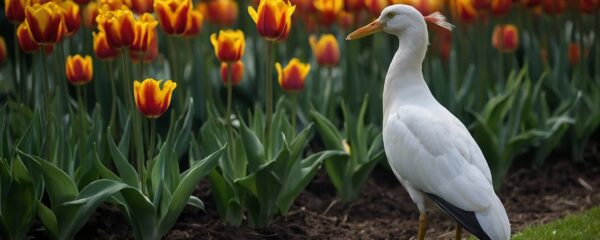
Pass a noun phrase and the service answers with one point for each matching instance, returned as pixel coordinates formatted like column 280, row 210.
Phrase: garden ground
column 384, row 209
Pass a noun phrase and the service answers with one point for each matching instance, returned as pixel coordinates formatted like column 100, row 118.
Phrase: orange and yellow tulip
column 346, row 20
column 90, row 12
column 505, row 38
column 304, row 6
column 145, row 29
column 14, row 10
column 273, row 19
column 326, row 50
column 237, row 70
column 222, row 12
column 26, row 43
column 118, row 26
column 194, row 24
column 291, row 78
column 45, row 23
column 152, row 100
column 328, row 10
column 141, row 6
column 112, row 4
column 79, row 70
column 465, row 10
column 101, row 48
column 353, row 5
column 376, row 6
column 554, row 6
column 82, row 2
column 501, row 7
column 72, row 18
column 229, row 45
column 427, row 7
column 150, row 54
column 173, row 15
column 3, row 55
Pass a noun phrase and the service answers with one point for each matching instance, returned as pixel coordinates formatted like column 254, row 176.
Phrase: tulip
column 112, row 4
column 145, row 29
column 237, row 70
column 229, row 45
column 3, row 54
column 118, row 26
column 150, row 54
column 376, row 6
column 574, row 53
column 79, row 70
column 589, row 6
column 101, row 48
column 465, row 10
column 45, row 23
column 14, row 10
column 152, row 100
column 531, row 3
column 273, row 19
column 501, row 7
column 505, row 38
column 90, row 12
column 554, row 6
column 26, row 43
column 304, row 6
column 222, row 12
column 173, row 15
column 346, row 20
column 427, row 7
column 353, row 5
column 194, row 25
column 291, row 78
column 141, row 6
column 328, row 10
column 72, row 18
column 326, row 50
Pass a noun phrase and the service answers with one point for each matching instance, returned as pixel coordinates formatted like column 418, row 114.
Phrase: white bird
column 430, row 151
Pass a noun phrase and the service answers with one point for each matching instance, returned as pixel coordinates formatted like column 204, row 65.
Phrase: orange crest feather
column 440, row 20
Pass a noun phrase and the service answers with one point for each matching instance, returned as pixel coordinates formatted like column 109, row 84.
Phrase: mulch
column 383, row 211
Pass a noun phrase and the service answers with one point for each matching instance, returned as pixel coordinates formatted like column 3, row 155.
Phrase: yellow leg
column 422, row 226
column 458, row 231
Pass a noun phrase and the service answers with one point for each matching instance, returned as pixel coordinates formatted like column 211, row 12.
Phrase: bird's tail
column 494, row 220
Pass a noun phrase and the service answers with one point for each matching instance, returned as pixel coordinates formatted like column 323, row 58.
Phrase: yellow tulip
column 45, row 23
column 328, row 10
column 326, row 50
column 291, row 78
column 79, row 70
column 145, row 29
column 173, row 15
column 229, row 45
column 118, row 26
column 14, row 10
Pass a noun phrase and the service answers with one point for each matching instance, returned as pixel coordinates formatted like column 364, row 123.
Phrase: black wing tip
column 466, row 219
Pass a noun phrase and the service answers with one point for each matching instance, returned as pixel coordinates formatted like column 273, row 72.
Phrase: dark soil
column 384, row 209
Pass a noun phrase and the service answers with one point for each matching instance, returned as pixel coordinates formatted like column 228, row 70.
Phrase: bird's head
column 396, row 19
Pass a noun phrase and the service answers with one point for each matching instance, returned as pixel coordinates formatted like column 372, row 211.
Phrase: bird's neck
column 404, row 83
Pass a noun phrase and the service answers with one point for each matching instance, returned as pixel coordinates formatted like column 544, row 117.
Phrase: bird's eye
column 391, row 15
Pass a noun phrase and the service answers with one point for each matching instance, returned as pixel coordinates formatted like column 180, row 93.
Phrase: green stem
column 142, row 67
column 16, row 65
column 113, row 89
column 152, row 139
column 82, row 131
column 46, row 145
column 232, row 156
column 136, row 121
column 269, row 98
column 294, row 112
column 328, row 83
column 174, row 68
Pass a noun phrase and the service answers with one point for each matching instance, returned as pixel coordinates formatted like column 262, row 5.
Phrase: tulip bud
column 466, row 10
column 79, row 70
column 194, row 25
column 150, row 54
column 45, row 23
column 152, row 100
column 90, row 12
column 145, row 29
column 14, row 10
column 72, row 18
column 505, row 38
column 118, row 26
column 229, row 45
column 222, row 12
column 26, row 43
column 291, row 78
column 326, row 50
column 237, row 70
column 173, row 15
column 328, row 10
column 273, row 19
column 101, row 48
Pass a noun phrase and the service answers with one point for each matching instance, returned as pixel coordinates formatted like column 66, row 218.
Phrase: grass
column 584, row 225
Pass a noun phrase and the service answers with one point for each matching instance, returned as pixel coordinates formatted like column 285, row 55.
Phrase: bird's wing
column 433, row 155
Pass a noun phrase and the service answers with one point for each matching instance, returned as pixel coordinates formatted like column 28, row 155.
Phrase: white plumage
column 428, row 148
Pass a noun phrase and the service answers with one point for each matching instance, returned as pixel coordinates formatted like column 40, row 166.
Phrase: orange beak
column 367, row 30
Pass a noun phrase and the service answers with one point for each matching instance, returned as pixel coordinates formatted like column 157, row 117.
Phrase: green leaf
column 126, row 171
column 189, row 180
column 195, row 202
column 48, row 219
column 18, row 210
column 59, row 185
column 183, row 136
column 328, row 132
